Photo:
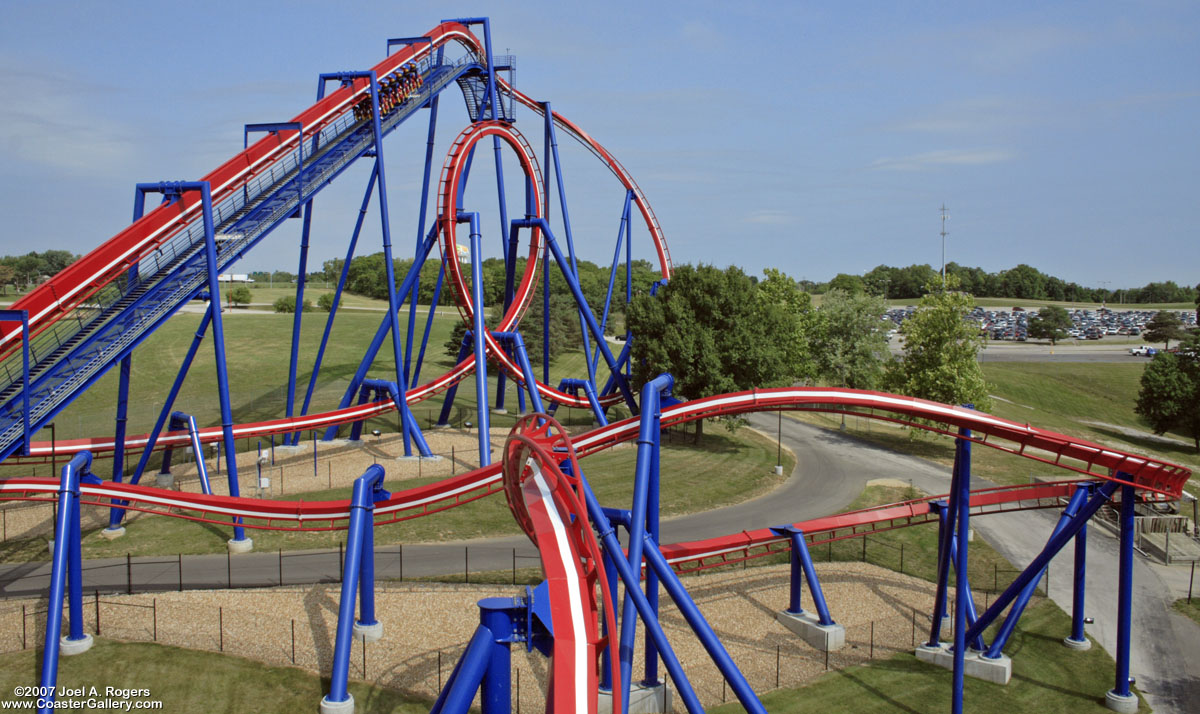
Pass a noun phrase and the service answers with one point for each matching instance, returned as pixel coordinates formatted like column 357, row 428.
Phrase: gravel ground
column 427, row 622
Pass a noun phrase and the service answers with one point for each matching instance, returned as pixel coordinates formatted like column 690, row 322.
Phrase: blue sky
column 816, row 137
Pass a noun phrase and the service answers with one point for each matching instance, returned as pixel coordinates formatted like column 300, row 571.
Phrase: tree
column 325, row 302
column 1169, row 397
column 848, row 283
column 1050, row 323
column 711, row 330
column 940, row 350
column 241, row 296
column 849, row 341
column 7, row 276
column 1198, row 303
column 779, row 289
column 1164, row 327
column 287, row 303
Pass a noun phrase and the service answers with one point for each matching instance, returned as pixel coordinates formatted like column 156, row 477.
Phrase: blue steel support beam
column 214, row 296
column 508, row 266
column 117, row 513
column 802, row 565
column 703, row 630
column 337, row 294
column 68, row 520
column 1125, row 592
column 179, row 420
column 460, row 689
column 649, row 429
column 481, row 400
column 495, row 696
column 962, row 488
column 1014, row 614
column 367, row 489
column 298, row 315
column 946, row 514
column 522, row 357
column 380, row 334
column 437, row 294
column 414, row 294
column 566, row 219
column 491, row 67
column 1078, row 609
column 1031, row 571
column 139, row 206
column 612, row 274
column 584, row 310
column 448, row 402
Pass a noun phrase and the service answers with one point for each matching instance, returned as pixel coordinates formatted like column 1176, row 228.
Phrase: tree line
column 1022, row 282
column 24, row 271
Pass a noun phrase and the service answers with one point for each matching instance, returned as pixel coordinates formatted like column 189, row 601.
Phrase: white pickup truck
column 1142, row 351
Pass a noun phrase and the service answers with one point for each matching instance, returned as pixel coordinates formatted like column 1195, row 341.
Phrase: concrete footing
column 827, row 638
column 1081, row 645
column 997, row 671
column 499, row 411
column 164, row 480
column 346, row 707
column 778, row 470
column 642, row 699
column 371, row 633
column 73, row 647
column 112, row 533
column 439, row 426
column 244, row 545
column 342, row 442
column 289, row 449
column 1123, row 704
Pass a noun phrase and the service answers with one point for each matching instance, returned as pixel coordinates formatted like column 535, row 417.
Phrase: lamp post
column 944, row 216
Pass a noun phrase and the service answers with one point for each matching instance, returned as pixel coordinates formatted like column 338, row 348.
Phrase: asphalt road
column 999, row 351
column 831, row 471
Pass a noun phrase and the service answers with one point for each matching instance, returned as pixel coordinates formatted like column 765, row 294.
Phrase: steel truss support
column 377, row 388
column 358, row 581
column 644, row 524
column 582, row 304
column 802, row 568
column 481, row 399
column 66, row 574
column 1077, row 639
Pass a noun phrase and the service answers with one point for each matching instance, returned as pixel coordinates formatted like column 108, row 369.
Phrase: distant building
column 234, row 278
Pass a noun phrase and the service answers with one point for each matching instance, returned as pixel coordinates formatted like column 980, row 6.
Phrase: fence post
column 514, row 582
column 128, row 574
column 180, row 557
column 914, row 626
column 23, row 645
column 154, row 616
column 1191, row 580
column 401, row 562
column 777, row 662
column 96, row 595
column 293, row 640
column 872, row 639
column 439, row 671
column 228, row 570
column 864, row 554
column 340, row 556
column 902, row 559
column 466, row 563
column 281, row 566
column 452, row 468
column 221, row 629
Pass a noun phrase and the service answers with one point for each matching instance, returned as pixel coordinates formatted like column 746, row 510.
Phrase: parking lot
column 1013, row 325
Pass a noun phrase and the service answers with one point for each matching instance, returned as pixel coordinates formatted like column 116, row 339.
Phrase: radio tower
column 944, row 234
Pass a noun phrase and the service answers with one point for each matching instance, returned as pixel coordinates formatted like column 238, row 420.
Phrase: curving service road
column 831, row 470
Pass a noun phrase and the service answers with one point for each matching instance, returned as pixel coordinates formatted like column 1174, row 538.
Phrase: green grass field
column 193, row 682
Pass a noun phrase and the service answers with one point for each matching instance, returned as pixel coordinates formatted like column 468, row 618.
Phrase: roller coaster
column 57, row 341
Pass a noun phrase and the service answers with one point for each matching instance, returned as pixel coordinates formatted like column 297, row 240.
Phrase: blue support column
column 337, row 294
column 962, row 460
column 1018, row 607
column 648, row 436
column 214, row 295
column 495, row 615
column 704, row 632
column 114, row 524
column 65, row 558
column 1034, row 569
column 802, row 565
column 414, row 294
column 1121, row 693
column 368, row 489
column 1077, row 639
column 481, row 399
column 941, row 598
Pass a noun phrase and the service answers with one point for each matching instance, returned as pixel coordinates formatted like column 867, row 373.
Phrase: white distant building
column 234, row 278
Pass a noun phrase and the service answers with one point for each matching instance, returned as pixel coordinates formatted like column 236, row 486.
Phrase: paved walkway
column 831, row 471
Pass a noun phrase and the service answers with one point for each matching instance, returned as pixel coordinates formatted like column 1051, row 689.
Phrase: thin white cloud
column 55, row 125
column 944, row 157
column 768, row 216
